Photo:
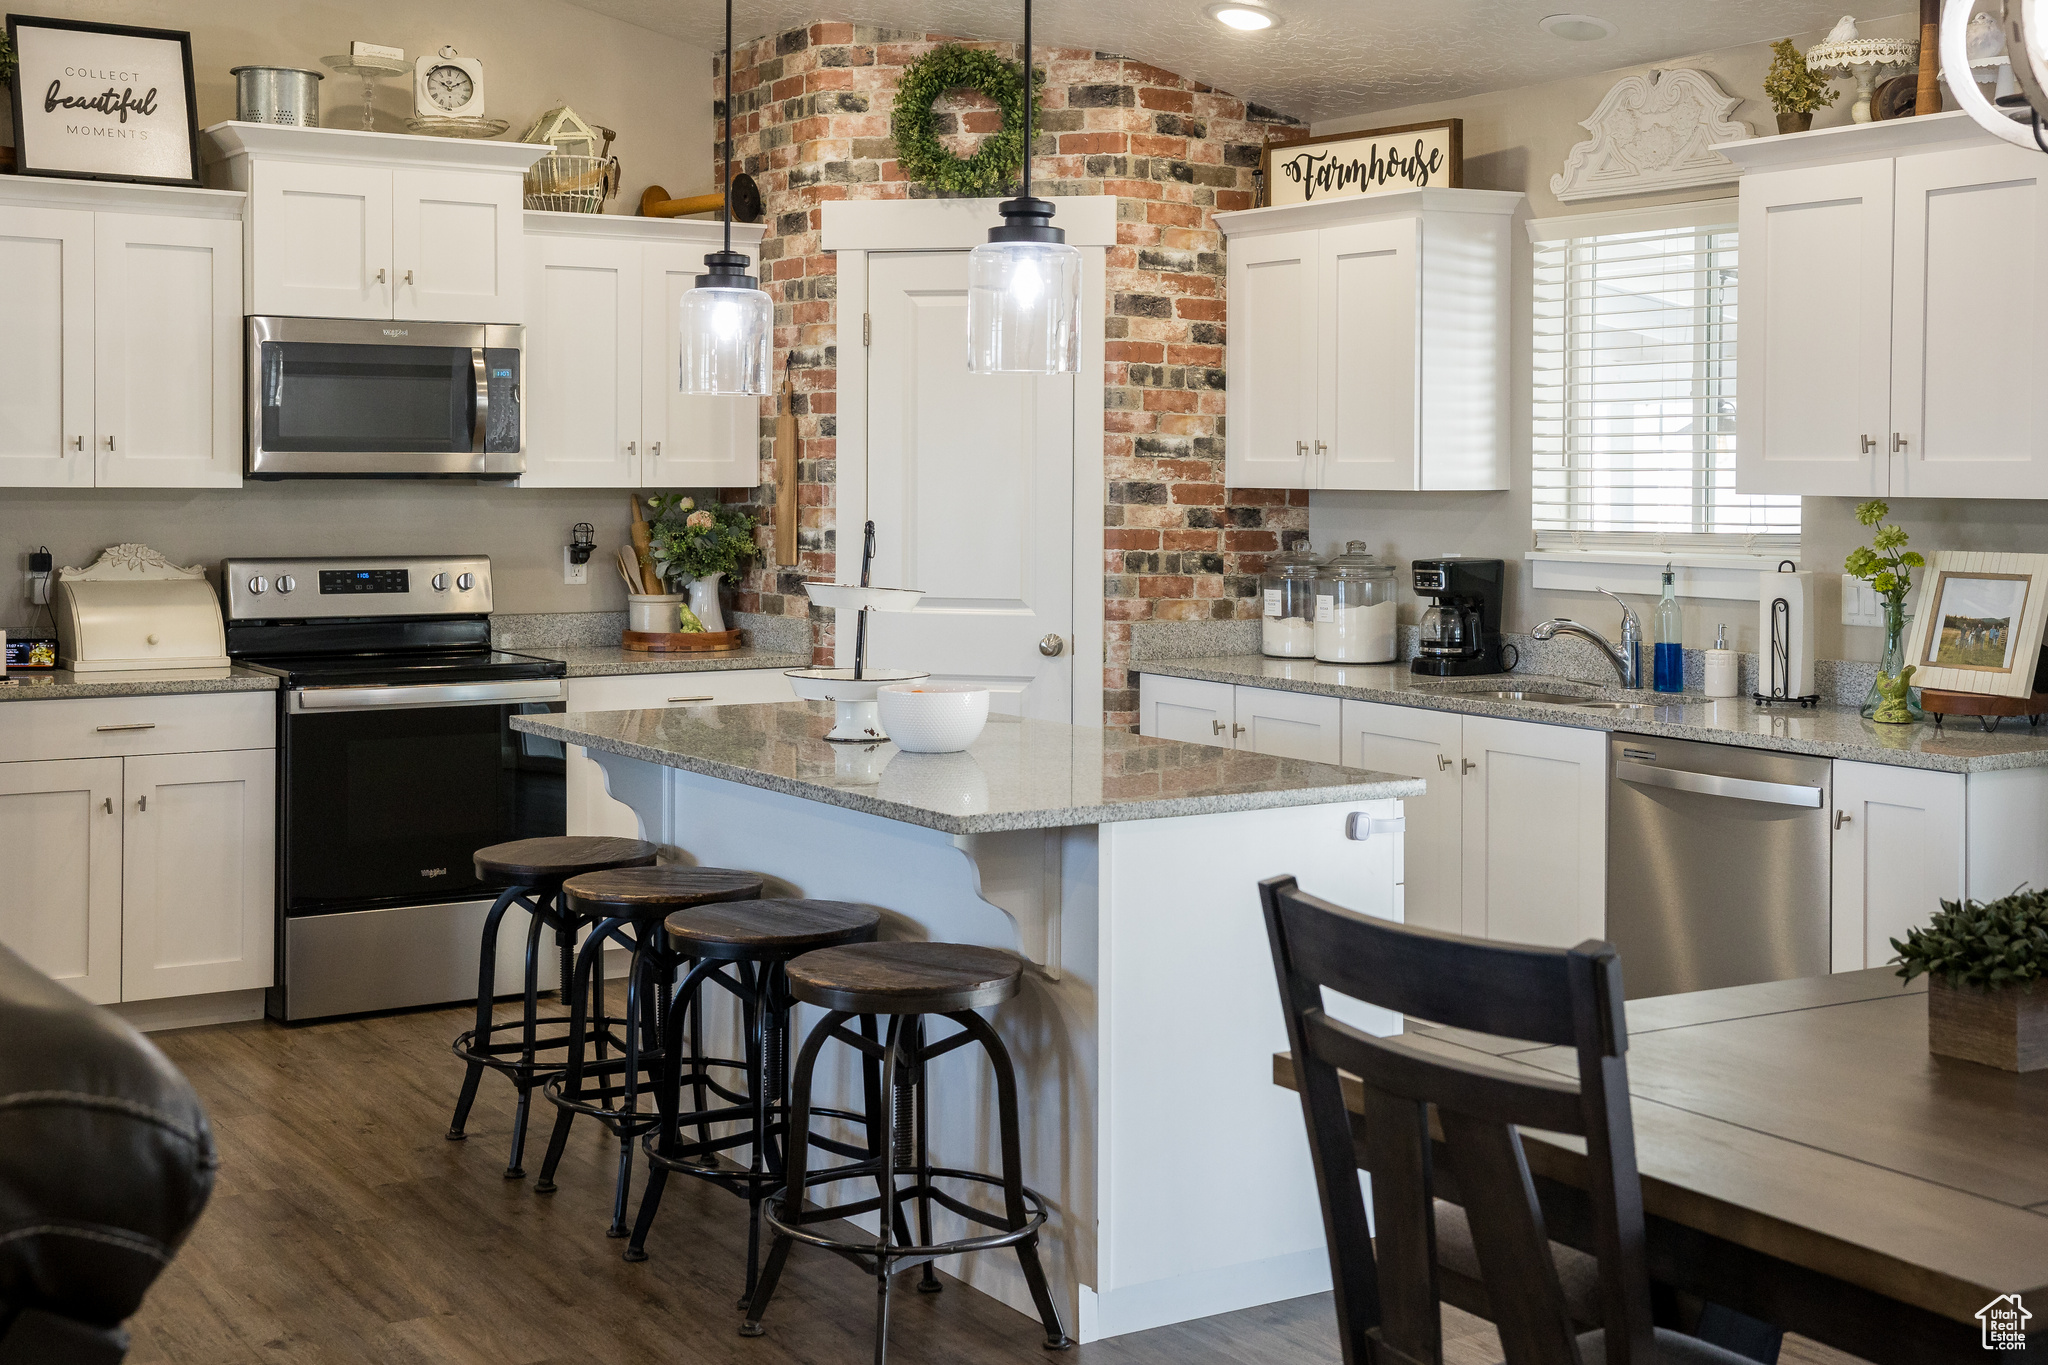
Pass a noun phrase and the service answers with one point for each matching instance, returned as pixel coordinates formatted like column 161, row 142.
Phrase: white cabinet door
column 1270, row 349
column 198, row 857
column 691, row 440
column 1186, row 709
column 1815, row 415
column 1535, row 837
column 60, row 843
column 1898, row 853
column 583, row 368
column 1366, row 431
column 1970, row 321
column 1288, row 724
column 167, row 383
column 46, row 324
column 591, row 808
column 1426, row 744
column 319, row 241
column 458, row 246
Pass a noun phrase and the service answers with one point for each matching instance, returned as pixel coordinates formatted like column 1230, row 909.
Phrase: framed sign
column 103, row 101
column 1340, row 165
column 1979, row 624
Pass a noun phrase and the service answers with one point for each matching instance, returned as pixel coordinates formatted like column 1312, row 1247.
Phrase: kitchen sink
column 1545, row 698
column 1613, row 705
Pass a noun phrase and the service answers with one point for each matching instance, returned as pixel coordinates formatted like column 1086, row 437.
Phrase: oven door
column 388, row 792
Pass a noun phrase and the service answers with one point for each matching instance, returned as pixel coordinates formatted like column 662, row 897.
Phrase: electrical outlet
column 572, row 572
column 1860, row 603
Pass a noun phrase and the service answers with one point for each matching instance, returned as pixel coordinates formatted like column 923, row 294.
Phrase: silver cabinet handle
column 1713, row 784
column 135, row 725
column 1869, row 443
column 673, row 700
column 142, row 803
column 408, row 277
column 1236, row 730
column 380, row 274
column 1842, row 818
column 1301, row 449
column 1469, row 765
column 108, row 805
column 1443, row 763
column 78, row 443
column 1215, row 727
column 655, row 450
column 110, row 443
column 1898, row 443
column 632, row 447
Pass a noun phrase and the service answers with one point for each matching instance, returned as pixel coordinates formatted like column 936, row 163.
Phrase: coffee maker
column 1461, row 629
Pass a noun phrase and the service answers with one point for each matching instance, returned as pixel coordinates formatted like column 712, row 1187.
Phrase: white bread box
column 134, row 609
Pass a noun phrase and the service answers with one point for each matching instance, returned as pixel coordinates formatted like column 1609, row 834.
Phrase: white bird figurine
column 1985, row 38
column 1844, row 30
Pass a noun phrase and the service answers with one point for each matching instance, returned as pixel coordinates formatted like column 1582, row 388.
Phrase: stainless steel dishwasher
column 1717, row 864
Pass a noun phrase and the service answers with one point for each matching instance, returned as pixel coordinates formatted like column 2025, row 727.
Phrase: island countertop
column 1020, row 774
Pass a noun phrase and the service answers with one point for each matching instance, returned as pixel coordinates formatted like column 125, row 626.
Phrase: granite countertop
column 1960, row 746
column 606, row 661
column 25, row 684
column 1020, row 774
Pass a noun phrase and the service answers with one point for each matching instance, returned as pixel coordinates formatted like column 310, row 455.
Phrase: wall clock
column 448, row 86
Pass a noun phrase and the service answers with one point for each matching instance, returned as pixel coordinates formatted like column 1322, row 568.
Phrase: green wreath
column 923, row 157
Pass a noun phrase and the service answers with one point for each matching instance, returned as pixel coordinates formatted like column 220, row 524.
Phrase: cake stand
column 370, row 69
column 1865, row 59
column 855, row 717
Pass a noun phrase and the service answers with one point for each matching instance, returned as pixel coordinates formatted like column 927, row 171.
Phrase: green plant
column 918, row 149
column 1885, row 563
column 2001, row 942
column 1792, row 86
column 7, row 63
column 688, row 541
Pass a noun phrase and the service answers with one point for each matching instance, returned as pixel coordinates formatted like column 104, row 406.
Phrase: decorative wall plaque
column 1342, row 165
column 1653, row 133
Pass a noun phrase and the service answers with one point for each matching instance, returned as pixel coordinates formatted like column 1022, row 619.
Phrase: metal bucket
column 277, row 94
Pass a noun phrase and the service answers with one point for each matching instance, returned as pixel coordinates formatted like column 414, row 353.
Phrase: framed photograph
column 1979, row 623
column 103, row 101
column 1342, row 165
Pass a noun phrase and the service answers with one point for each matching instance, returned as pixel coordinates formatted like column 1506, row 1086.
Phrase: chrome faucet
column 1625, row 657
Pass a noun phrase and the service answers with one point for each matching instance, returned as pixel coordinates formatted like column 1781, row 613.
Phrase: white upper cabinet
column 1368, row 342
column 46, row 347
column 692, row 440
column 1893, row 282
column 324, row 249
column 457, row 246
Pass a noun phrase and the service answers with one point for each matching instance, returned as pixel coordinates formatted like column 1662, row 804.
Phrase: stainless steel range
column 396, row 762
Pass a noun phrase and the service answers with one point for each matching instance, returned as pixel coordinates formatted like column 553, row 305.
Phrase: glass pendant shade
column 1023, row 307
column 726, row 329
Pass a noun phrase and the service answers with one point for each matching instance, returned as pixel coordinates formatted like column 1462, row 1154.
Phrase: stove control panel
column 390, row 585
column 365, row 580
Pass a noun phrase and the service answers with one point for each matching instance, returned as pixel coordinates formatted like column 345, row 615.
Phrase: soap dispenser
column 1669, row 666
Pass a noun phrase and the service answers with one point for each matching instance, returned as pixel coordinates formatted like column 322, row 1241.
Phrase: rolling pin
column 746, row 202
column 785, row 471
column 650, row 581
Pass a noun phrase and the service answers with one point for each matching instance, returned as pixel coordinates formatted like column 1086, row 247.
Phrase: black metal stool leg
column 529, row 1036
column 486, row 988
column 889, row 1217
column 928, row 1282
column 796, row 1166
column 579, row 1007
column 668, row 1100
column 637, row 1006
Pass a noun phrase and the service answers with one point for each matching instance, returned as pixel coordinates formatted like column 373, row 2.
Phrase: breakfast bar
column 1122, row 869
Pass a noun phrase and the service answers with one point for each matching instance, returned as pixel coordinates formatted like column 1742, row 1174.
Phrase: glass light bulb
column 1024, row 283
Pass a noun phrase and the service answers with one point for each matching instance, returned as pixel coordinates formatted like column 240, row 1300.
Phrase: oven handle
column 480, row 399
column 321, row 699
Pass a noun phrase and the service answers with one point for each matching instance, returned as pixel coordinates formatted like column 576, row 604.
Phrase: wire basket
column 571, row 184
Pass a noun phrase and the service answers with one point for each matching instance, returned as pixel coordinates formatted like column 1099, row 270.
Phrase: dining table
column 1808, row 1161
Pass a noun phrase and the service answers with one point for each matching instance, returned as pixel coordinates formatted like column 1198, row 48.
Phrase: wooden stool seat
column 768, row 929
column 643, row 893
column 530, row 862
column 905, row 978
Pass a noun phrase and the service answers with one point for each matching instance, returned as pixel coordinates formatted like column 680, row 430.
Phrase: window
column 1635, row 394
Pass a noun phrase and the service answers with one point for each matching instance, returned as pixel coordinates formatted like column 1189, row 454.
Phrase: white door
column 970, row 487
column 198, row 858
column 319, row 239
column 46, row 348
column 1368, row 338
column 1187, row 709
column 1970, row 320
column 1535, row 837
column 690, row 440
column 458, row 245
column 583, row 369
column 1270, row 349
column 1426, row 744
column 1289, row 724
column 1815, row 415
column 1898, row 853
column 60, row 843
column 167, row 348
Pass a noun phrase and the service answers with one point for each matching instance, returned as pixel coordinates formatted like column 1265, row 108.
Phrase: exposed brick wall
column 811, row 124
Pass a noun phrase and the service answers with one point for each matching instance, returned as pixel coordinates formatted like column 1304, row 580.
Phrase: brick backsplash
column 811, row 124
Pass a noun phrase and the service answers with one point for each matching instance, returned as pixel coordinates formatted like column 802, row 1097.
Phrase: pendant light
column 1024, row 283
column 727, row 320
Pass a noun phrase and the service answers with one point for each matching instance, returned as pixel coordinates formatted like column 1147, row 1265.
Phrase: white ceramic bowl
column 933, row 718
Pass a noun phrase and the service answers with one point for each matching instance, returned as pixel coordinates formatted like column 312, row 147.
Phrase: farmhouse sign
column 1375, row 161
column 103, row 101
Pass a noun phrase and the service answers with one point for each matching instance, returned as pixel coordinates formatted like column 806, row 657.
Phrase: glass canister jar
column 1288, row 627
column 1354, row 613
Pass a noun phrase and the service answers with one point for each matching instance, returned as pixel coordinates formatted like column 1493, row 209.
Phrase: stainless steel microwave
column 367, row 398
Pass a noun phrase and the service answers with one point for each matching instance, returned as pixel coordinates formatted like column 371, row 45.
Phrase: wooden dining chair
column 1421, row 1107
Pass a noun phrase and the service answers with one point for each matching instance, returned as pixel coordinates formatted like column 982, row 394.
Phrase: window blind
column 1635, row 393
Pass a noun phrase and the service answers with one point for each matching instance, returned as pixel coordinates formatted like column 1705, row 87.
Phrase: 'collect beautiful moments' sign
column 103, row 101
column 1413, row 156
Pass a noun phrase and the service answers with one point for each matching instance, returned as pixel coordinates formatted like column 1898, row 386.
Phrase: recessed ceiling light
column 1577, row 28
column 1243, row 18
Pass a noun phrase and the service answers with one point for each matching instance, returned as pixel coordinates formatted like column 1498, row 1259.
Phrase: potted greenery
column 1887, row 565
column 1794, row 89
column 698, row 546
column 7, row 69
column 1985, row 966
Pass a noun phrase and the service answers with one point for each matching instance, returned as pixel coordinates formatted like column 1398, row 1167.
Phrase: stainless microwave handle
column 304, row 699
column 480, row 405
column 1711, row 784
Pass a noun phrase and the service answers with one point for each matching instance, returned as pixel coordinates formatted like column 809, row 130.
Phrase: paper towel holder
column 1775, row 668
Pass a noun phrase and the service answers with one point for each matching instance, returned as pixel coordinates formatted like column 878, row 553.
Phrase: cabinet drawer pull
column 673, row 700
column 108, row 805
column 134, row 725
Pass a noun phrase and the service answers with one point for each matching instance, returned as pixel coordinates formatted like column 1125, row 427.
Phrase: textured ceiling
column 1329, row 58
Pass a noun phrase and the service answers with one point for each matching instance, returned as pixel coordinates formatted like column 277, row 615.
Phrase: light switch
column 1861, row 605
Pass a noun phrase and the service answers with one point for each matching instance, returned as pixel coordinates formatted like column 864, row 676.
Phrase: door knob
column 1051, row 645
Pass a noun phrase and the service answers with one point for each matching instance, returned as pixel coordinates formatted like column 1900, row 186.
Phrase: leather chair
column 106, row 1160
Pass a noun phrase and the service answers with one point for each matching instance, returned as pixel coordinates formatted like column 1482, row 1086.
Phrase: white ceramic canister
column 654, row 613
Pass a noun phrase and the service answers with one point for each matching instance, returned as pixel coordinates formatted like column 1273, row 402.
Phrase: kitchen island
column 1124, row 870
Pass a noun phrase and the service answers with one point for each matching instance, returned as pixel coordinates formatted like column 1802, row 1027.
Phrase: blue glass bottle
column 1669, row 665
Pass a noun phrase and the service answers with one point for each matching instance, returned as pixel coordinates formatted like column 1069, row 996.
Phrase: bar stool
column 535, row 870
column 741, row 946
column 625, row 907
column 906, row 982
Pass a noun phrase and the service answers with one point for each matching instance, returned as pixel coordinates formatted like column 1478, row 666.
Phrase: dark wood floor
column 345, row 1228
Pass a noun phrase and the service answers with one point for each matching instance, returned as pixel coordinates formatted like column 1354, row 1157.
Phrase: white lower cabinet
column 1535, row 832
column 60, row 843
column 591, row 808
column 1426, row 744
column 1898, row 853
column 1187, row 709
column 1288, row 724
